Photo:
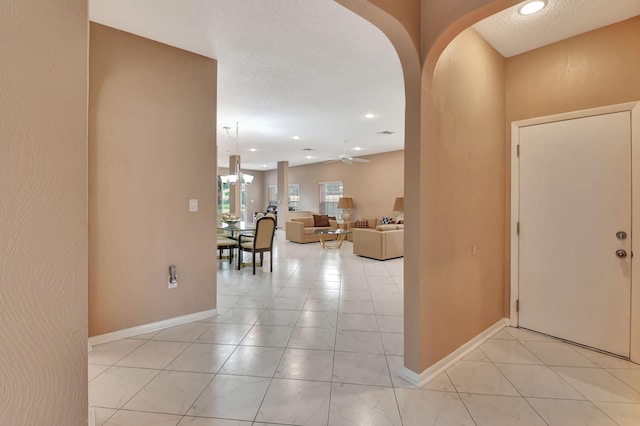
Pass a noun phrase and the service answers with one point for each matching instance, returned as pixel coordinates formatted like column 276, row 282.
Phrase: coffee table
column 341, row 234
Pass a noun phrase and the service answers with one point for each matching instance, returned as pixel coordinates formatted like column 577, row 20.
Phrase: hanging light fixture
column 237, row 175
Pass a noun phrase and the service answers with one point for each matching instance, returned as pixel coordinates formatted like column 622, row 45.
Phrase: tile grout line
column 238, row 345
column 335, row 342
column 545, row 364
column 464, row 404
column 279, row 285
column 516, row 389
column 165, row 369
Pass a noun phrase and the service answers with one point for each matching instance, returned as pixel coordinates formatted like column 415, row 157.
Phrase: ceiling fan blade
column 359, row 160
column 346, row 159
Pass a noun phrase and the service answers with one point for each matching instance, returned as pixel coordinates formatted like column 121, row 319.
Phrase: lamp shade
column 398, row 205
column 247, row 179
column 345, row 203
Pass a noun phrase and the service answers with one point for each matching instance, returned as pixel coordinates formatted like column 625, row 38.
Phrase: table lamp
column 346, row 204
column 398, row 206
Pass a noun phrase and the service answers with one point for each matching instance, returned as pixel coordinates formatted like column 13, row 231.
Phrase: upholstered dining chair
column 262, row 242
column 226, row 243
column 272, row 215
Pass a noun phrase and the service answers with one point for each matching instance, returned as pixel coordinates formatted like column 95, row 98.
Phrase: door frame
column 634, row 109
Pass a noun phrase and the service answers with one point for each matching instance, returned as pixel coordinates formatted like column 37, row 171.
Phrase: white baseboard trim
column 147, row 328
column 439, row 367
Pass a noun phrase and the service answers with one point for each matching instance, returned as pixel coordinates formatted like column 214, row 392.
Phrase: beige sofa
column 300, row 230
column 381, row 243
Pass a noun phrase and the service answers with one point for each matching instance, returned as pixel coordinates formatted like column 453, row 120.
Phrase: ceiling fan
column 347, row 159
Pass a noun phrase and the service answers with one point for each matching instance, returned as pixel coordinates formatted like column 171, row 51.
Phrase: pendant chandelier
column 237, row 176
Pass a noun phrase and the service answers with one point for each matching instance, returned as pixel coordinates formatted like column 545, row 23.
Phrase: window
column 330, row 193
column 224, row 197
column 294, row 197
column 243, row 201
column 273, row 195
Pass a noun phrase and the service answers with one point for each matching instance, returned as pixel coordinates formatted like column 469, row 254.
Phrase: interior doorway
column 572, row 209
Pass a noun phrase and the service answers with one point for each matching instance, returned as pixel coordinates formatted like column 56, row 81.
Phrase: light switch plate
column 193, row 205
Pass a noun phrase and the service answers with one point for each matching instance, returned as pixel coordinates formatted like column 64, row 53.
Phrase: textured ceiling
column 312, row 68
column 511, row 33
column 285, row 67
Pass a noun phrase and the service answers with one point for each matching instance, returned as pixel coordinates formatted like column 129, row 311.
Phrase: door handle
column 621, row 253
column 621, row 235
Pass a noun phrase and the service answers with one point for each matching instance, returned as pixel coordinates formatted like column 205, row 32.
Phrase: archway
column 431, row 307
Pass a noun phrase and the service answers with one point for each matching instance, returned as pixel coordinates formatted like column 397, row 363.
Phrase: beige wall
column 255, row 199
column 598, row 68
column 406, row 13
column 463, row 167
column 374, row 186
column 152, row 147
column 43, row 216
column 442, row 21
column 53, row 157
column 574, row 85
column 594, row 69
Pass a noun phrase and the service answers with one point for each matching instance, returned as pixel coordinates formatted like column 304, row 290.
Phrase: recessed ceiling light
column 264, row 165
column 369, row 115
column 252, row 149
column 531, row 7
column 308, row 157
column 357, row 148
column 296, row 138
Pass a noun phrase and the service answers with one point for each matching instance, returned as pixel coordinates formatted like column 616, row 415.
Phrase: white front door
column 575, row 196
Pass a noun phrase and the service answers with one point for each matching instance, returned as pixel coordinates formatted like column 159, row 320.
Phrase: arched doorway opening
column 459, row 277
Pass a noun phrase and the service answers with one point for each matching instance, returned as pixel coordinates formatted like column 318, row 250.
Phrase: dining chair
column 261, row 243
column 227, row 243
column 273, row 215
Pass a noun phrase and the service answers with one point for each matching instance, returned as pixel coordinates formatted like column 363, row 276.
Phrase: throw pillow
column 362, row 224
column 386, row 221
column 320, row 220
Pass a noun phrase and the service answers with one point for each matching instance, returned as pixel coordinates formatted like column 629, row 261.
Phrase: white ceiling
column 511, row 33
column 314, row 69
column 285, row 67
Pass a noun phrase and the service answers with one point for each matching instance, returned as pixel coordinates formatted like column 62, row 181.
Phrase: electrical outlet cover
column 174, row 284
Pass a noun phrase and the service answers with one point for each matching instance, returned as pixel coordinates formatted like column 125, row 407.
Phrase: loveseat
column 300, row 229
column 382, row 242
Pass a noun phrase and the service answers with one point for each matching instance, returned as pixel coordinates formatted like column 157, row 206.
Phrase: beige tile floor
column 319, row 342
